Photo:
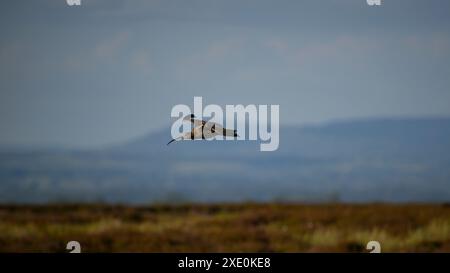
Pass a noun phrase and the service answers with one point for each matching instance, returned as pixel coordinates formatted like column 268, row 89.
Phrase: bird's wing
column 197, row 122
column 210, row 130
column 197, row 132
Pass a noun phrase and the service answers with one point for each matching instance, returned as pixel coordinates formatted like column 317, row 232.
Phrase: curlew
column 204, row 130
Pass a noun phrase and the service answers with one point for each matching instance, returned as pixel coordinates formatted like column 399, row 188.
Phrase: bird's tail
column 230, row 132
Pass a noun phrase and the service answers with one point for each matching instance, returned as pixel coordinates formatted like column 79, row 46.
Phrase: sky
column 109, row 71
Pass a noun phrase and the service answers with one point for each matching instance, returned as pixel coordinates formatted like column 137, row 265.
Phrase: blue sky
column 111, row 70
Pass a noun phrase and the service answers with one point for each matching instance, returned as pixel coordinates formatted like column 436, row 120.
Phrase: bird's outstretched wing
column 199, row 122
column 195, row 133
column 205, row 129
column 194, row 121
column 212, row 129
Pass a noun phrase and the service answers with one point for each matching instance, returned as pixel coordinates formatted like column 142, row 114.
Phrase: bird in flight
column 204, row 130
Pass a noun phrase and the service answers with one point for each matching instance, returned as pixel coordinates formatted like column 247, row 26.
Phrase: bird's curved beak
column 171, row 141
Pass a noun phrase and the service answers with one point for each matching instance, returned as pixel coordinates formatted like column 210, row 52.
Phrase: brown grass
column 225, row 228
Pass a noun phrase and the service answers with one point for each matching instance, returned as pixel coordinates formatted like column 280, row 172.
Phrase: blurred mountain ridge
column 367, row 160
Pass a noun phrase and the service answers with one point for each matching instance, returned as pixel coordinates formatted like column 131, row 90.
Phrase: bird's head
column 189, row 117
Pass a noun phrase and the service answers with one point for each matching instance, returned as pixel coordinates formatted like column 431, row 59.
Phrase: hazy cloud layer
column 109, row 71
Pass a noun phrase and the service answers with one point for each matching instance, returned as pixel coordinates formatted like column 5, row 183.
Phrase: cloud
column 277, row 44
column 11, row 55
column 111, row 47
column 141, row 60
column 220, row 49
column 342, row 46
column 437, row 43
column 117, row 47
column 215, row 54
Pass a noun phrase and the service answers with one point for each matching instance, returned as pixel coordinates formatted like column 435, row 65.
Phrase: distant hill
column 396, row 160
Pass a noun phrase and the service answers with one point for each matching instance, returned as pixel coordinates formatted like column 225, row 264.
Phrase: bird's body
column 204, row 130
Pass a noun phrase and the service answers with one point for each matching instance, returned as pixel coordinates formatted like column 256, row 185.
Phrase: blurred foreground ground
column 225, row 228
